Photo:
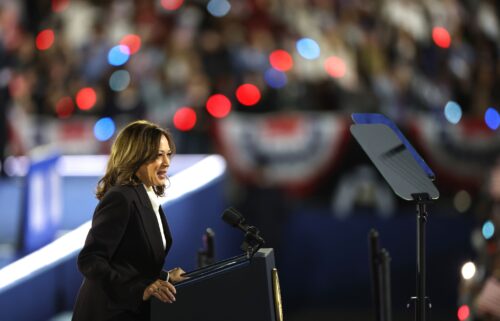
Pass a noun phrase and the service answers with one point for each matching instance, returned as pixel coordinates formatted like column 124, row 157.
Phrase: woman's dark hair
column 135, row 145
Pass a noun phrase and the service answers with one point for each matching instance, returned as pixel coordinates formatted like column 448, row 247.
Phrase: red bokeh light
column 59, row 5
column 171, row 4
column 65, row 107
column 185, row 119
column 86, row 98
column 44, row 39
column 463, row 312
column 281, row 60
column 133, row 42
column 218, row 106
column 248, row 94
column 441, row 37
column 335, row 67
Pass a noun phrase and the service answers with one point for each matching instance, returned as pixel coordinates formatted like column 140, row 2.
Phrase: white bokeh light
column 468, row 270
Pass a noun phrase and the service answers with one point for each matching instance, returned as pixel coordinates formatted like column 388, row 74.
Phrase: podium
column 240, row 288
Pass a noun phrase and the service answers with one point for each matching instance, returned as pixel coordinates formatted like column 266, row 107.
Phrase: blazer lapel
column 166, row 230
column 148, row 217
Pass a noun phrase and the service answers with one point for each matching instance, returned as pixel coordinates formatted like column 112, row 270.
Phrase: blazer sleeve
column 123, row 285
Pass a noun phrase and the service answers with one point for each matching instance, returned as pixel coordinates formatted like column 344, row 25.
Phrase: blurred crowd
column 479, row 289
column 392, row 63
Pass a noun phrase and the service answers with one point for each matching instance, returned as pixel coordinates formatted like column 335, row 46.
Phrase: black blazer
column 122, row 255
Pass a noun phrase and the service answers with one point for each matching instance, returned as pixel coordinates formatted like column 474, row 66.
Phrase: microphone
column 207, row 253
column 208, row 239
column 234, row 218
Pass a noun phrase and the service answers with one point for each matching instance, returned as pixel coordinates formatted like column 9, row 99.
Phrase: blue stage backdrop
column 41, row 205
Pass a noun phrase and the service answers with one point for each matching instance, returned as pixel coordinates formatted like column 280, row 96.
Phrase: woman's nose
column 166, row 159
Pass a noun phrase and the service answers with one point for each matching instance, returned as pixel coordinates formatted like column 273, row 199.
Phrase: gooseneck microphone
column 234, row 218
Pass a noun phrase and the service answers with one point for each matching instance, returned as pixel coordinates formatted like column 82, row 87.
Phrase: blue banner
column 41, row 208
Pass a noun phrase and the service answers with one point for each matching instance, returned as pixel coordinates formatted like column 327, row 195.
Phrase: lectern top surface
column 375, row 118
column 394, row 161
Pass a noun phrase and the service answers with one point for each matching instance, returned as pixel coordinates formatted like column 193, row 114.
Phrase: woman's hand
column 176, row 275
column 160, row 289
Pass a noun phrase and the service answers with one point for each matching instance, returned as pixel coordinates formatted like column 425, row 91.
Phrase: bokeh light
column 218, row 8
column 462, row 201
column 275, row 78
column 45, row 39
column 468, row 270
column 281, row 60
column 488, row 229
column 185, row 119
column 441, row 37
column 171, row 5
column 59, row 5
column 463, row 312
column 118, row 55
column 132, row 41
column 218, row 106
column 335, row 67
column 308, row 48
column 86, row 98
column 104, row 129
column 64, row 107
column 492, row 118
column 119, row 80
column 453, row 112
column 248, row 94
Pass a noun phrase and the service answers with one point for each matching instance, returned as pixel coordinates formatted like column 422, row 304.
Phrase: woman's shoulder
column 125, row 191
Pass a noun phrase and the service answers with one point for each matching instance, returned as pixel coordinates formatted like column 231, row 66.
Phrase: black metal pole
column 375, row 273
column 421, row 220
column 386, row 284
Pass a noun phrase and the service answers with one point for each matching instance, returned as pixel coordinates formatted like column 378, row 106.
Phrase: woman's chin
column 160, row 182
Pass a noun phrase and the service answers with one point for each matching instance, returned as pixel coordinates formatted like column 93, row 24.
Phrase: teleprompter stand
column 408, row 180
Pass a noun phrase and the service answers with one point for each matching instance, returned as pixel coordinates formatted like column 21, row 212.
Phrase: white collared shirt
column 156, row 206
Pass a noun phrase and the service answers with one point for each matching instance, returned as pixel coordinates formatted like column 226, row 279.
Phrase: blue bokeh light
column 104, row 129
column 308, row 48
column 488, row 229
column 453, row 112
column 119, row 80
column 275, row 78
column 492, row 118
column 218, row 8
column 118, row 55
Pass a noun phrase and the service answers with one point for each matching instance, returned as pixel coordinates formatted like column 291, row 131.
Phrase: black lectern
column 408, row 180
column 241, row 288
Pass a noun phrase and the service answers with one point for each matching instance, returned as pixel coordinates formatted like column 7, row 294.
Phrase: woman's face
column 154, row 173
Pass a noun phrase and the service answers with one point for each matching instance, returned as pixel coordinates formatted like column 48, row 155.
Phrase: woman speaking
column 125, row 249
